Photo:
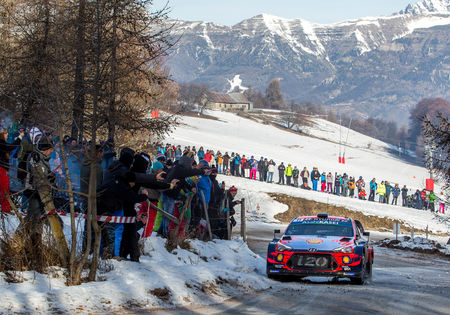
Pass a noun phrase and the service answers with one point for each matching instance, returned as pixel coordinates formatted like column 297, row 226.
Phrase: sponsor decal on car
column 314, row 241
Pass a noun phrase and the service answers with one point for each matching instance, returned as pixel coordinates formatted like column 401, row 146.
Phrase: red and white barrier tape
column 100, row 218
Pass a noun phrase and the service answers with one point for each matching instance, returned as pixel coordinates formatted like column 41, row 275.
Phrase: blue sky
column 230, row 12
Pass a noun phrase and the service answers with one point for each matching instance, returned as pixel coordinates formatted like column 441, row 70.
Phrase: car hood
column 320, row 243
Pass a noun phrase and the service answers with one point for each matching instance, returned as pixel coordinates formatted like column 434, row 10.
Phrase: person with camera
column 229, row 207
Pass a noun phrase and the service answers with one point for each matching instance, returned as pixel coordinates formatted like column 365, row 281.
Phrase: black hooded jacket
column 181, row 171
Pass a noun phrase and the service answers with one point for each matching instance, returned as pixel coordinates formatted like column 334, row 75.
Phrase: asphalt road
column 402, row 283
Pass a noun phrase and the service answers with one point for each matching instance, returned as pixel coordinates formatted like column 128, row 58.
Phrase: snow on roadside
column 416, row 244
column 209, row 272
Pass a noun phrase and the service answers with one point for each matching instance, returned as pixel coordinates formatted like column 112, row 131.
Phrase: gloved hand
column 225, row 210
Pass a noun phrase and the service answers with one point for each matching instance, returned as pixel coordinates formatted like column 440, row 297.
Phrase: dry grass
column 303, row 207
column 161, row 293
column 24, row 251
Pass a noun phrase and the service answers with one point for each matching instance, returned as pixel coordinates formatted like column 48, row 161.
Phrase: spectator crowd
column 266, row 170
column 128, row 184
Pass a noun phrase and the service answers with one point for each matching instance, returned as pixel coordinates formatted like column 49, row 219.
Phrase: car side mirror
column 275, row 232
column 368, row 236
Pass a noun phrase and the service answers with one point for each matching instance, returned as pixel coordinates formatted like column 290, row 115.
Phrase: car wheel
column 362, row 277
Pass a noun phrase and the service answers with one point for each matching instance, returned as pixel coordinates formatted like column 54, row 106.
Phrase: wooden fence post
column 183, row 211
column 243, row 226
column 208, row 223
column 228, row 226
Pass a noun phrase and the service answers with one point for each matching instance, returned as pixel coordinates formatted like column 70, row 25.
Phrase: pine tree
column 274, row 97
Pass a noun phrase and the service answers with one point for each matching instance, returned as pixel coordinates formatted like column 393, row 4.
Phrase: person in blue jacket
column 395, row 194
column 373, row 188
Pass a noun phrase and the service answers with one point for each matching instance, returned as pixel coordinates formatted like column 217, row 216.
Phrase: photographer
column 229, row 206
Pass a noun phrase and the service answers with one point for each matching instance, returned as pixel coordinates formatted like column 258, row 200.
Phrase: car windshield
column 321, row 227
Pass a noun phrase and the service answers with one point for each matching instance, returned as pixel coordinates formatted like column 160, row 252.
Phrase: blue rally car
column 321, row 246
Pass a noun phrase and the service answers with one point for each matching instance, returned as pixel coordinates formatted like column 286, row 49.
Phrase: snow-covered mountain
column 426, row 7
column 378, row 66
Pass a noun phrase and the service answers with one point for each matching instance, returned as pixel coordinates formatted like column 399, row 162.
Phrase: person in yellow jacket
column 288, row 173
column 219, row 162
column 381, row 190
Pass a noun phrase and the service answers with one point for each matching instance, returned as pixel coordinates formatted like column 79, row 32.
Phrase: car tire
column 361, row 279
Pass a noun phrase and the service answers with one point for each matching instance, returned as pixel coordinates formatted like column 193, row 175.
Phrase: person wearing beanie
column 183, row 169
column 141, row 163
column 157, row 167
column 120, row 167
column 118, row 199
column 38, row 160
column 229, row 207
column 160, row 157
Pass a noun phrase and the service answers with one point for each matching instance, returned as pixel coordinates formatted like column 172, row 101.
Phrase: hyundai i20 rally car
column 321, row 246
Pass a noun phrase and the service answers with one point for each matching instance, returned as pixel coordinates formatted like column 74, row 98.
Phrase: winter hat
column 34, row 133
column 233, row 188
column 126, row 157
column 204, row 162
column 160, row 157
column 185, row 161
column 157, row 165
column 141, row 163
column 44, row 144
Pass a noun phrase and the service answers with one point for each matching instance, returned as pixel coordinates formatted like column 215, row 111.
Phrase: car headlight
column 344, row 249
column 282, row 247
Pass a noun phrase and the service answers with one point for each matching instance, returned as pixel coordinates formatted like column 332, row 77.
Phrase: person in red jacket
column 208, row 156
column 5, row 150
column 362, row 194
column 423, row 196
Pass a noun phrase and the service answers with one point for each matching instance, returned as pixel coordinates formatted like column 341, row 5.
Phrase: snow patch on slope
column 207, row 38
column 362, row 44
column 282, row 28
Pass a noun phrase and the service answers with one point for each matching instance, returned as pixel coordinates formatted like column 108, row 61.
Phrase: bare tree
column 437, row 138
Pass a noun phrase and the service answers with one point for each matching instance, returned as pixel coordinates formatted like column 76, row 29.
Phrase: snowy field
column 232, row 133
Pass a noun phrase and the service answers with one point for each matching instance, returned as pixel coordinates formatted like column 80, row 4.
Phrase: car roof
column 318, row 218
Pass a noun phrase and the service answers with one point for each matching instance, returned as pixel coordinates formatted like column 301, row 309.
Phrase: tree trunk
column 93, row 179
column 79, row 85
column 44, row 190
column 112, row 95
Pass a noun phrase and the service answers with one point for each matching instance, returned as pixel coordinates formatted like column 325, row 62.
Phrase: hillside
column 232, row 133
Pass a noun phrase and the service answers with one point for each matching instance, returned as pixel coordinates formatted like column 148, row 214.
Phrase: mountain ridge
column 363, row 63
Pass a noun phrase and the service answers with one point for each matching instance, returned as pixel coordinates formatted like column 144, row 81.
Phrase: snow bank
column 416, row 244
column 209, row 272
